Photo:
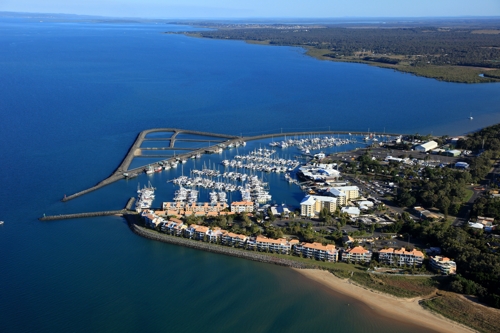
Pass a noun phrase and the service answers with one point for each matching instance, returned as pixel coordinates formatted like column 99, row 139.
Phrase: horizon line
column 260, row 17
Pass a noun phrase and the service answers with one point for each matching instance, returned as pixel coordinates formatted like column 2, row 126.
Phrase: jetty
column 127, row 210
column 214, row 143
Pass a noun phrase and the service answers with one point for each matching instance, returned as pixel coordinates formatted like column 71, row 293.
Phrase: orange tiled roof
column 358, row 250
column 242, row 203
column 319, row 246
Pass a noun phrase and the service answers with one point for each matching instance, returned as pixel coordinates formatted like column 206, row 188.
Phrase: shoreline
column 404, row 310
column 407, row 310
column 210, row 247
column 441, row 73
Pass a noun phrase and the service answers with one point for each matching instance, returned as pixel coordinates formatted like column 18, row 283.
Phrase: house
column 401, row 257
column 422, row 212
column 487, row 222
column 357, row 254
column 443, row 265
column 317, row 251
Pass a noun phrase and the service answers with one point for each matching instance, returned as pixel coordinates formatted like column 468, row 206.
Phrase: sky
column 258, row 8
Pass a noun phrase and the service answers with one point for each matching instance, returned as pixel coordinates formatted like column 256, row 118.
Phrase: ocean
column 73, row 97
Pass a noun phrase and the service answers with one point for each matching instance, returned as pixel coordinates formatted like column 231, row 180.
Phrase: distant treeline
column 454, row 46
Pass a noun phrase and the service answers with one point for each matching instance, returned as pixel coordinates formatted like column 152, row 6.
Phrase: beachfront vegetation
column 458, row 308
column 400, row 286
column 456, row 54
column 476, row 253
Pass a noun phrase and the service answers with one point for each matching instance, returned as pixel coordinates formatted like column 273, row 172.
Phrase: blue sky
column 258, row 8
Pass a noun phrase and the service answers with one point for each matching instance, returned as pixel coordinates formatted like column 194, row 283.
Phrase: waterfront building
column 242, row 206
column 151, row 220
column 200, row 232
column 317, row 251
column 443, row 265
column 425, row 147
column 280, row 245
column 311, row 205
column 401, row 257
column 215, row 234
column 319, row 172
column 357, row 254
column 174, row 227
column 180, row 208
column 232, row 239
column 189, row 232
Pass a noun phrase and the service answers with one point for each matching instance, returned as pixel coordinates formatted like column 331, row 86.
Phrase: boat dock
column 213, row 145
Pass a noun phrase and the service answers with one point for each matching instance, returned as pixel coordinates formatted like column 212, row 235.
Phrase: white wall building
column 311, row 205
column 425, row 147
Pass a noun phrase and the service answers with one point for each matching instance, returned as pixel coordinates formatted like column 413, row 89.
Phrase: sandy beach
column 404, row 309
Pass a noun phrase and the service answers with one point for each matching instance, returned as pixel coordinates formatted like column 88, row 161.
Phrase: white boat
column 470, row 117
column 1, row 222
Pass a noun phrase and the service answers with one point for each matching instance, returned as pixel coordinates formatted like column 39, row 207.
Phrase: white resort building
column 357, row 254
column 443, row 265
column 318, row 251
column 401, row 257
column 311, row 205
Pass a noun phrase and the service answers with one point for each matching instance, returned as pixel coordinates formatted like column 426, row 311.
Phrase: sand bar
column 404, row 309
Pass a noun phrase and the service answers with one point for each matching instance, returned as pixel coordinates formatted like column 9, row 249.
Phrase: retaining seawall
column 214, row 248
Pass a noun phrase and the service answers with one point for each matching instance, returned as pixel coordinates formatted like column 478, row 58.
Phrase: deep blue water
column 74, row 96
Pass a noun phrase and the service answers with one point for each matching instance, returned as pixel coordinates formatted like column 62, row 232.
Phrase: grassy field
column 469, row 195
column 457, row 308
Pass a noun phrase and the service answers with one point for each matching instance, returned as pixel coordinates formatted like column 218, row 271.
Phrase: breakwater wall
column 214, row 248
column 291, row 134
column 82, row 215
column 130, row 202
column 228, row 139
